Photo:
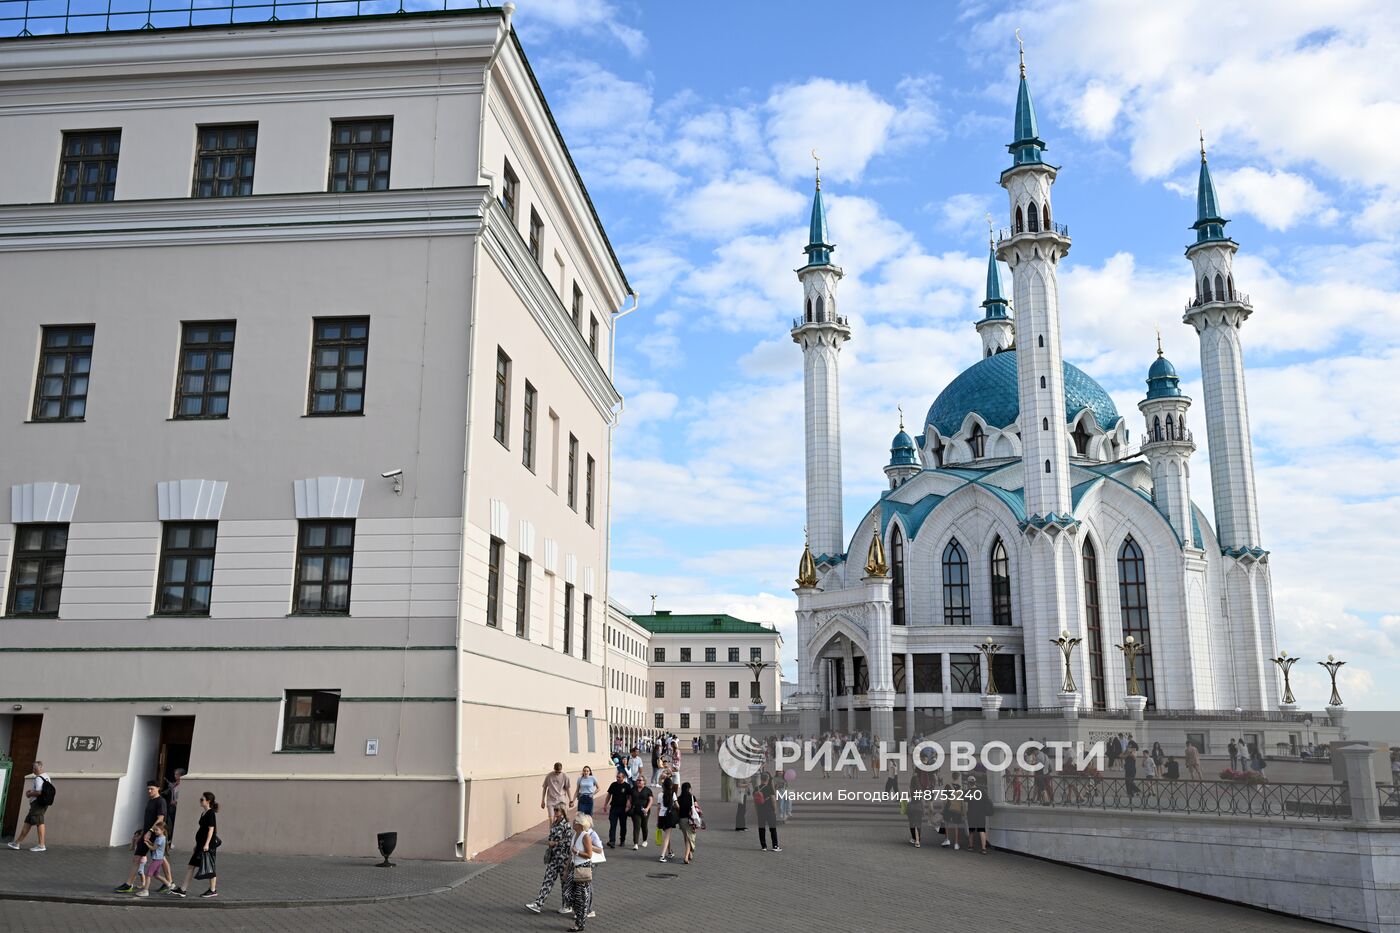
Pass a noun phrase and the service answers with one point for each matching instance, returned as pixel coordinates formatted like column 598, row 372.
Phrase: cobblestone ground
column 849, row 870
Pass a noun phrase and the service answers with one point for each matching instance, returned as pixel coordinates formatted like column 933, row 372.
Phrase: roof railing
column 828, row 319
column 1007, row 233
column 1238, row 298
column 33, row 18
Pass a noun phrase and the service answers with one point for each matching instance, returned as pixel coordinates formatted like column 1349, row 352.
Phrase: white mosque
column 1022, row 509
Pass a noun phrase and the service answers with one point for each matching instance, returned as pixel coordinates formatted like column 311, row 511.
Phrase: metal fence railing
column 20, row 18
column 1208, row 798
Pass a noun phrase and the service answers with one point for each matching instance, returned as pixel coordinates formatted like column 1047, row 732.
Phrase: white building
column 1021, row 509
column 699, row 682
column 626, row 648
column 307, row 412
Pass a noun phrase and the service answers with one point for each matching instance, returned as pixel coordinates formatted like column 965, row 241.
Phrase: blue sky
column 692, row 124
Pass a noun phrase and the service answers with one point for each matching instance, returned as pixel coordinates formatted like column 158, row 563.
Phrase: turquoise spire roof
column 995, row 303
column 819, row 245
column 1209, row 224
column 1162, row 381
column 902, row 450
column 1028, row 144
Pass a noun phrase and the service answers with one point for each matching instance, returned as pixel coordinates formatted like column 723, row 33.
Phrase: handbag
column 660, row 837
column 583, row 874
column 207, row 868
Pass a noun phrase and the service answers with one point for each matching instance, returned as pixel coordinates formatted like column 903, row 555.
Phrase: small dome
column 1161, row 368
column 989, row 388
column 902, row 450
column 1162, row 381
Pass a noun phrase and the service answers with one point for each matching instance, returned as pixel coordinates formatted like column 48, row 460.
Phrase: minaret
column 904, row 457
column 995, row 327
column 820, row 332
column 1032, row 251
column 1216, row 312
column 1168, row 445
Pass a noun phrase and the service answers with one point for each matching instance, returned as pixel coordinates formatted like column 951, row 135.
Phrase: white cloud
column 848, row 125
column 590, row 17
column 731, row 206
column 964, row 213
column 1097, row 109
column 1277, row 199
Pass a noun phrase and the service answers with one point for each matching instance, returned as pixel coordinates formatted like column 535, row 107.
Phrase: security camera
column 390, row 474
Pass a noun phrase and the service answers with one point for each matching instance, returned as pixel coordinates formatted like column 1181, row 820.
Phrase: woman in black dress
column 668, row 817
column 765, row 806
column 206, row 840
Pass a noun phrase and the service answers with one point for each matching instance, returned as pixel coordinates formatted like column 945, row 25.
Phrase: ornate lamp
column 1284, row 662
column 1066, row 644
column 758, row 667
column 1131, row 648
column 989, row 649
column 1333, row 665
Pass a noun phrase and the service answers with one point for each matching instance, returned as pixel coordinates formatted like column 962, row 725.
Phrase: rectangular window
column 588, row 491
column 536, row 236
column 493, row 584
column 733, row 720
column 573, row 729
column 36, row 575
column 310, row 720
column 325, row 555
column 928, row 673
column 587, row 624
column 568, row 618
column 966, row 672
column 87, row 169
column 1004, row 673
column 710, row 655
column 577, row 308
column 685, row 689
column 186, row 568
column 502, row 397
column 659, row 720
column 685, row 655
column 223, row 166
column 734, row 690
column 522, row 597
column 685, row 720
column 510, row 191
column 733, row 655
column 593, row 334
column 755, row 654
column 527, row 440
column 660, row 689
column 339, row 354
column 709, row 720
column 65, row 363
column 1197, row 739
column 709, row 689
column 206, row 369
column 360, row 151
column 659, row 655
column 553, row 452
column 573, row 472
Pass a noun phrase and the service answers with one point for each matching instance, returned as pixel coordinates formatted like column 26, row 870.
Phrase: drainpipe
column 507, row 12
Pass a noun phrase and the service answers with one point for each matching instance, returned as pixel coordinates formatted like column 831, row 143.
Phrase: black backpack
column 47, row 794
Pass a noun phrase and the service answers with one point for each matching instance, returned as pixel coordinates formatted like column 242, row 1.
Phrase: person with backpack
column 41, row 797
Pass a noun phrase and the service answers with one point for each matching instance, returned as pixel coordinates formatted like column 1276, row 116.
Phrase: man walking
column 1193, row 762
column 1234, row 751
column 173, row 792
column 41, row 796
column 634, row 767
column 619, row 803
column 556, row 788
column 156, row 809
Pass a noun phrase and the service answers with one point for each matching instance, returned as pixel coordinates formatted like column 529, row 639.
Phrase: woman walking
column 585, row 846
column 206, row 844
column 955, row 819
column 689, row 817
column 741, row 822
column 667, row 818
column 584, row 791
column 556, row 860
column 766, row 811
column 979, row 807
column 920, row 793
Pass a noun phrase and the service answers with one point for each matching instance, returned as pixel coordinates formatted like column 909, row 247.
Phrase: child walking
column 153, row 863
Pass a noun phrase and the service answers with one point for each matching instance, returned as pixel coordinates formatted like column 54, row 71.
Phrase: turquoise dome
column 1162, row 381
column 902, row 450
column 989, row 388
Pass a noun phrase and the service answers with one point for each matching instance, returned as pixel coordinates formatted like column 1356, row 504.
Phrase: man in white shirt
column 634, row 767
column 37, row 808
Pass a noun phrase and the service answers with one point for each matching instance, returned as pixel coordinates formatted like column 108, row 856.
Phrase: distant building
column 626, row 650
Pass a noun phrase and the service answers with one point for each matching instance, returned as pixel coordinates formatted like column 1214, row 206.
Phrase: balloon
column 758, row 798
column 789, row 775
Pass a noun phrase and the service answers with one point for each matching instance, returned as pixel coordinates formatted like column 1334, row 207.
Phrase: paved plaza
column 841, row 869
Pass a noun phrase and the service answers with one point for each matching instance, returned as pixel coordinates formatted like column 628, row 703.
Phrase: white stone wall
column 821, row 348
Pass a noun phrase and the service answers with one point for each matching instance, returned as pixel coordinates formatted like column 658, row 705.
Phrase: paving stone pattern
column 855, row 873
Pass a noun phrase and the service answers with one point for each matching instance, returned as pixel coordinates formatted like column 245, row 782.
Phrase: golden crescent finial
column 1021, row 46
column 901, row 416
column 1159, row 341
column 817, row 159
column 1202, row 134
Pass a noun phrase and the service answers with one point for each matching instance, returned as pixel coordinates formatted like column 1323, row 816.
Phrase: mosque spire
column 1027, row 146
column 1209, row 224
column 819, row 245
column 995, row 325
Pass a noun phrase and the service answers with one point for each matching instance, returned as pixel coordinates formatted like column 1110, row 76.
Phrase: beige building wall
column 445, row 724
column 686, row 716
column 628, row 648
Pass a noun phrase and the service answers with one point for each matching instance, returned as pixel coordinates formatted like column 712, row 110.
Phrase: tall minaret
column 820, row 332
column 995, row 327
column 1032, row 251
column 1167, row 443
column 1216, row 313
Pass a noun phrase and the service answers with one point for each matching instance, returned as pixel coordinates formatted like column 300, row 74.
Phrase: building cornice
column 259, row 218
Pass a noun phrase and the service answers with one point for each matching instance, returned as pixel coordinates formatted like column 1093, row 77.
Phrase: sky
column 692, row 125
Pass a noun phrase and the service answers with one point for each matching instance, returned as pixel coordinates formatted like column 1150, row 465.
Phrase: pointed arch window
column 1132, row 599
column 1001, row 585
column 1094, row 622
column 1020, row 223
column 1033, row 218
column 1205, row 288
column 821, row 309
column 809, row 310
column 977, row 440
column 1044, row 424
column 938, row 452
column 957, row 591
column 897, row 576
column 1042, row 382
column 1171, row 428
column 1156, row 427
column 1219, row 287
column 1230, row 284
column 1045, row 209
column 1081, row 437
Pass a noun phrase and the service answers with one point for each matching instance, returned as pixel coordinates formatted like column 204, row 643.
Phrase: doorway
column 176, row 738
column 23, row 749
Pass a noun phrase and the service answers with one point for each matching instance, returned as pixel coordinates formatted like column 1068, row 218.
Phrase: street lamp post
column 1333, row 666
column 756, row 695
column 1066, row 644
column 991, row 698
column 1135, row 700
column 1284, row 663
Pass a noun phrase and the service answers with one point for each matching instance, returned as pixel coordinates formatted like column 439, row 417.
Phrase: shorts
column 153, row 867
column 35, row 816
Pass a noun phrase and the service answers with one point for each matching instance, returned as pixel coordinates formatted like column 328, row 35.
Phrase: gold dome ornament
column 875, row 565
column 807, row 569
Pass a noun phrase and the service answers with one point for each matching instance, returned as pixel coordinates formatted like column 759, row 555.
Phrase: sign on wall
column 84, row 743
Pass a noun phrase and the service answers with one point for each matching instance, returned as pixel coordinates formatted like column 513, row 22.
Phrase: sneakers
column 39, row 849
column 175, row 891
column 532, row 907
column 13, row 845
column 956, row 847
column 591, row 914
column 140, row 892
column 645, row 843
column 777, row 849
column 947, row 844
column 164, row 888
column 210, row 893
column 123, row 889
column 634, row 847
column 566, row 910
